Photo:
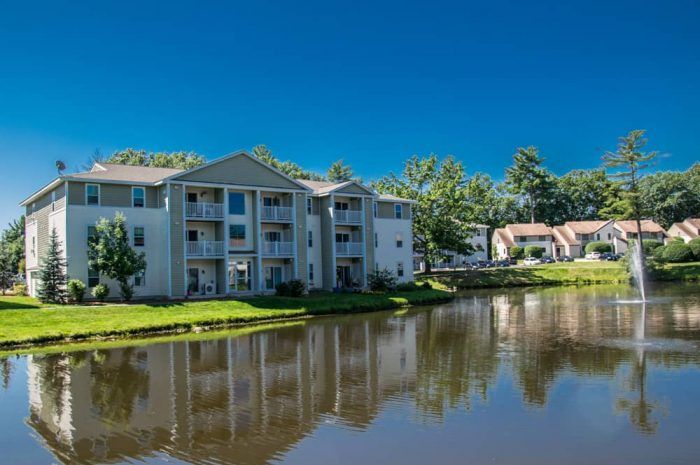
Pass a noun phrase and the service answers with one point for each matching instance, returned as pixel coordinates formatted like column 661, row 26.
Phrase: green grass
column 678, row 272
column 24, row 321
column 578, row 273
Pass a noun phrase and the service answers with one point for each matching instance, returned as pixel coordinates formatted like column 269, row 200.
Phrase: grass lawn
column 24, row 321
column 678, row 272
column 593, row 272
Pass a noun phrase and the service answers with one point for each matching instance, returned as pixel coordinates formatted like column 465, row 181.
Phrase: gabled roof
column 630, row 226
column 506, row 239
column 563, row 235
column 393, row 198
column 586, row 227
column 686, row 229
column 325, row 187
column 695, row 222
column 529, row 229
column 126, row 173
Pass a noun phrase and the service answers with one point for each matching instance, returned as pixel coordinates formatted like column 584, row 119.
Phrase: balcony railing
column 348, row 248
column 275, row 249
column 204, row 210
column 205, row 248
column 277, row 213
column 348, row 216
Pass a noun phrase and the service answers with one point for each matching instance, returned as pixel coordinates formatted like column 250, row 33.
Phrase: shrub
column 19, row 289
column 291, row 288
column 658, row 253
column 600, row 247
column 650, row 245
column 76, row 290
column 678, row 253
column 407, row 286
column 534, row 251
column 381, row 280
column 695, row 247
column 516, row 252
column 100, row 292
column 426, row 285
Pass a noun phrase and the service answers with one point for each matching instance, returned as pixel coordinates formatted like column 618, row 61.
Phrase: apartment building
column 627, row 229
column 522, row 235
column 232, row 226
column 572, row 237
column 454, row 260
column 687, row 230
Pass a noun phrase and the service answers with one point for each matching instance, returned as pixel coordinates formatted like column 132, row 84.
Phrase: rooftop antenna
column 60, row 166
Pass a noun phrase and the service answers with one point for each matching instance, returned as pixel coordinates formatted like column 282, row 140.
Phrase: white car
column 529, row 261
column 593, row 256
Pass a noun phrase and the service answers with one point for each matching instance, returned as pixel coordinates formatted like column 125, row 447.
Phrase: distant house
column 687, row 230
column 522, row 235
column 627, row 229
column 453, row 260
column 571, row 238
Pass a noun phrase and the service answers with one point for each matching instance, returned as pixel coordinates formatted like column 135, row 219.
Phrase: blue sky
column 371, row 82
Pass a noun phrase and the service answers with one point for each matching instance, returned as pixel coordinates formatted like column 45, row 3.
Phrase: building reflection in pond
column 252, row 398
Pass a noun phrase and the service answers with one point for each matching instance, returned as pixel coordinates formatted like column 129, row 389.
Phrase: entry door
column 273, row 277
column 343, row 277
column 240, row 275
column 342, row 237
column 342, row 206
column 271, row 201
column 192, row 235
column 192, row 197
column 193, row 280
column 273, row 236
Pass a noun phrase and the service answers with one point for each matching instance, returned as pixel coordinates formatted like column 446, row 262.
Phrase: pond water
column 544, row 376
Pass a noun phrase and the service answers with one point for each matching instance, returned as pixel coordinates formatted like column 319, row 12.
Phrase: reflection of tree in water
column 116, row 386
column 6, row 369
column 54, row 371
column 639, row 409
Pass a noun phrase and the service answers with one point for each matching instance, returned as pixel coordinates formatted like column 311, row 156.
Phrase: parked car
column 529, row 261
column 609, row 257
column 564, row 258
column 593, row 256
column 513, row 261
column 503, row 263
column 547, row 259
column 490, row 264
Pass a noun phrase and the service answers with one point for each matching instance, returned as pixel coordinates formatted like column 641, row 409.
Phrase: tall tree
column 339, row 172
column 13, row 236
column 289, row 168
column 670, row 196
column 527, row 177
column 52, row 275
column 180, row 160
column 6, row 274
column 580, row 195
column 110, row 253
column 440, row 221
column 628, row 162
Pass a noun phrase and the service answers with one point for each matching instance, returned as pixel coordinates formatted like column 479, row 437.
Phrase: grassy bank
column 23, row 321
column 677, row 272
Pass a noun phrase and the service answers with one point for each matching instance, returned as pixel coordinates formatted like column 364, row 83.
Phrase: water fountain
column 636, row 258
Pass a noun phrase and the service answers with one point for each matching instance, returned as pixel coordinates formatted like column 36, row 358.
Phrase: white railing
column 277, row 248
column 204, row 210
column 348, row 248
column 277, row 213
column 205, row 248
column 348, row 216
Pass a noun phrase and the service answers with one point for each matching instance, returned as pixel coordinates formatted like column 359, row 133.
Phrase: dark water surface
column 546, row 376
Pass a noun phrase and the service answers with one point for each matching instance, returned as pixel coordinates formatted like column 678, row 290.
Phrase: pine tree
column 339, row 172
column 52, row 276
column 5, row 267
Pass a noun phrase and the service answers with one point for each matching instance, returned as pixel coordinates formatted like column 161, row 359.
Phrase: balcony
column 276, row 213
column 347, row 216
column 277, row 249
column 205, row 249
column 348, row 248
column 204, row 210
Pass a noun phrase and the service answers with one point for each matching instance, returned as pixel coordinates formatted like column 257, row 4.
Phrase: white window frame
column 310, row 238
column 88, row 278
column 141, row 276
column 398, row 210
column 399, row 240
column 133, row 197
column 400, row 270
column 309, row 206
column 133, row 236
column 99, row 195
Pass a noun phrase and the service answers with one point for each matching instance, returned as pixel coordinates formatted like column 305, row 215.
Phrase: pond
column 529, row 376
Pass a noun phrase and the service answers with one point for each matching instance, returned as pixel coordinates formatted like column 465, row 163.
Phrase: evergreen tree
column 52, row 276
column 289, row 168
column 527, row 178
column 180, row 160
column 339, row 172
column 6, row 274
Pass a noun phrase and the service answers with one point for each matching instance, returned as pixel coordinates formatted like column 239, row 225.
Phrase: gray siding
column 327, row 244
column 386, row 210
column 39, row 211
column 353, row 189
column 76, row 193
column 315, row 205
column 221, row 270
column 240, row 170
column 302, row 247
column 152, row 197
column 177, row 241
column 369, row 237
column 115, row 195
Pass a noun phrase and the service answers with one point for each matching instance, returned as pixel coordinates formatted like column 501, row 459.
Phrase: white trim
column 133, row 235
column 168, row 209
column 133, row 188
column 396, row 204
column 99, row 195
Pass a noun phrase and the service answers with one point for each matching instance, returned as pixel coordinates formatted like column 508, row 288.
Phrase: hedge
column 534, row 251
column 678, row 253
column 695, row 247
column 601, row 247
column 516, row 252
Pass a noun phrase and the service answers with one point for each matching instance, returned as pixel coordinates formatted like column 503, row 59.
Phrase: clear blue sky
column 371, row 82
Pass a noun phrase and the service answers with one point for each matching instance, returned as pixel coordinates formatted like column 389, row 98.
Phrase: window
column 311, row 273
column 140, row 279
column 399, row 269
column 609, row 236
column 374, row 209
column 92, row 194
column 91, row 234
column 53, row 201
column 376, row 240
column 272, row 236
column 399, row 241
column 398, row 211
column 139, row 236
column 236, row 235
column 310, row 239
column 34, row 246
column 308, row 206
column 542, row 238
column 236, row 203
column 138, row 197
column 478, row 232
column 93, row 277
